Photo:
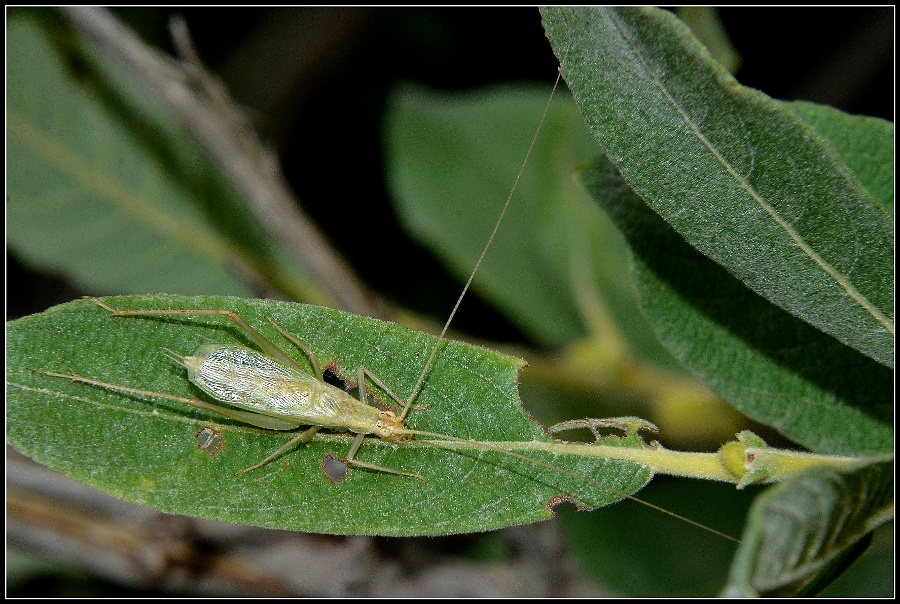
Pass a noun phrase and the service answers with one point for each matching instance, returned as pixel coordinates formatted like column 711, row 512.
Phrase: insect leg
column 351, row 459
column 262, row 341
column 313, row 358
column 380, row 383
column 254, row 419
column 300, row 438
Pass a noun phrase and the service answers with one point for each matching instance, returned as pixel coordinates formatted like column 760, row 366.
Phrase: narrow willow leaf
column 91, row 158
column 804, row 532
column 742, row 178
column 153, row 451
column 772, row 366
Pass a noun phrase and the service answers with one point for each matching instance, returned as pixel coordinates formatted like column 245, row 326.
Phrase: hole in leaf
column 334, row 469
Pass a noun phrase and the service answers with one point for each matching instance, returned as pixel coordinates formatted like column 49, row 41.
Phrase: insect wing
column 246, row 379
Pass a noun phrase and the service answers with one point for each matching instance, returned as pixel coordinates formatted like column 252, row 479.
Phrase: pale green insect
column 272, row 391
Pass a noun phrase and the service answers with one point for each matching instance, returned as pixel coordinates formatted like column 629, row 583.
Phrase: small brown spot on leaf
column 210, row 441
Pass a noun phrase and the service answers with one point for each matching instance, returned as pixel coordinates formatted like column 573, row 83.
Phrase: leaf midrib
column 842, row 280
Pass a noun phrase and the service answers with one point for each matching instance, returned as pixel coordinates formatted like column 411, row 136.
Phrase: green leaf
column 91, row 157
column 866, row 144
column 742, row 178
column 772, row 366
column 803, row 532
column 157, row 452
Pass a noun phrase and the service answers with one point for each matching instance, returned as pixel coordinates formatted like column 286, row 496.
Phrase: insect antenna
column 440, row 338
column 487, row 246
column 490, row 241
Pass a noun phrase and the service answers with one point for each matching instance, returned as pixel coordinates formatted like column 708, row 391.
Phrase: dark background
column 315, row 83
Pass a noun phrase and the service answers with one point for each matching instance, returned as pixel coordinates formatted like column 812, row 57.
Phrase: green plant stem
column 663, row 461
column 760, row 465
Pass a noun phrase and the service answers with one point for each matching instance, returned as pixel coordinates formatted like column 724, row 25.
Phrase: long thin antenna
column 465, row 289
column 481, row 258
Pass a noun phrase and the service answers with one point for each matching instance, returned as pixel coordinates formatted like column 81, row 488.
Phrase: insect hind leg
column 260, row 340
column 313, row 357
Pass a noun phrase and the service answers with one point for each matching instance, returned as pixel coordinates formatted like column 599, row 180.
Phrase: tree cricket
column 272, row 391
